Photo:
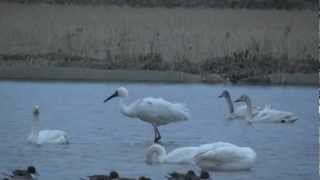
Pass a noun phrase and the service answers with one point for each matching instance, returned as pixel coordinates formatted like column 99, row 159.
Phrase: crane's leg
column 159, row 136
column 155, row 133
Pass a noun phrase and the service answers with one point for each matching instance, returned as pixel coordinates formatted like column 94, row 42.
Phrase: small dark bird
column 97, row 177
column 204, row 175
column 190, row 175
column 113, row 175
column 18, row 174
column 144, row 178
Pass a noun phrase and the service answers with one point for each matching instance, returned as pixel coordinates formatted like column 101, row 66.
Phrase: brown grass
column 176, row 39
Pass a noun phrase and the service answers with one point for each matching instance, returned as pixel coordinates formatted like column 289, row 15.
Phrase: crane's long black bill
column 112, row 96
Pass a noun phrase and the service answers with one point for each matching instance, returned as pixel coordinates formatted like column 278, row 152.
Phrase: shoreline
column 41, row 73
column 254, row 4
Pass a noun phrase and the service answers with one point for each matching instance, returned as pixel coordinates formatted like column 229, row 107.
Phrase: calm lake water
column 102, row 139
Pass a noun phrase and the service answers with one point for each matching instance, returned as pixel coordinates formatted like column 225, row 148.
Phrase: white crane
column 155, row 111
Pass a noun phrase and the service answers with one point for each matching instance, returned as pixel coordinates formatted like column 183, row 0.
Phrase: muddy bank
column 252, row 4
column 309, row 79
column 85, row 74
column 70, row 73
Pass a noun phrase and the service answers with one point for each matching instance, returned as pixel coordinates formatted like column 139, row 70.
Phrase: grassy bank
column 239, row 66
column 237, row 44
column 194, row 34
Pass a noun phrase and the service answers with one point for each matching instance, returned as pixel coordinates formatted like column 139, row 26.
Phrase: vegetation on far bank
column 251, row 4
column 239, row 65
column 233, row 43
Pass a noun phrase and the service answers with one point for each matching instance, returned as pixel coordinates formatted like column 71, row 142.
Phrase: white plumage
column 45, row 136
column 155, row 111
column 159, row 111
column 238, row 111
column 51, row 137
column 267, row 114
column 215, row 156
column 226, row 158
column 275, row 116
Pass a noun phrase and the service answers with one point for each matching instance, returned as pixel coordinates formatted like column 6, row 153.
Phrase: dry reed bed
column 176, row 39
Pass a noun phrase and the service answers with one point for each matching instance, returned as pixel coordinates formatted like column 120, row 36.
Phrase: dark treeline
column 251, row 4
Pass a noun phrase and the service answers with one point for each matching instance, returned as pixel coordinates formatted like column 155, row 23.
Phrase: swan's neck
column 125, row 107
column 156, row 154
column 249, row 109
column 230, row 104
column 35, row 128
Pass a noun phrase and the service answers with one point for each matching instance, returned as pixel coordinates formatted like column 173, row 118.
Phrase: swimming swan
column 236, row 112
column 45, row 136
column 215, row 156
column 267, row 114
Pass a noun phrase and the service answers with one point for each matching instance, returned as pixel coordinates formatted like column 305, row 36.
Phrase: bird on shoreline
column 29, row 174
column 156, row 111
column 45, row 136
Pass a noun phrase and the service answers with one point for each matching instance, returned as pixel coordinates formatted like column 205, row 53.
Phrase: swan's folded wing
column 53, row 136
column 273, row 115
column 220, row 155
column 182, row 155
column 212, row 146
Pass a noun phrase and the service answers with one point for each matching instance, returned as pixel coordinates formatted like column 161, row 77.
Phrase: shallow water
column 102, row 139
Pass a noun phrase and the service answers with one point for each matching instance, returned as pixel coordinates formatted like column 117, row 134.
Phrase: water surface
column 102, row 139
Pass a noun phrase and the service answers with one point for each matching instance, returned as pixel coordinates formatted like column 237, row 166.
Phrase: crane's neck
column 249, row 114
column 125, row 108
column 35, row 128
column 230, row 104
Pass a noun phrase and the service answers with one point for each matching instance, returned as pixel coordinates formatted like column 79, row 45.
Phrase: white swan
column 236, row 112
column 226, row 158
column 215, row 156
column 45, row 136
column 155, row 111
column 267, row 114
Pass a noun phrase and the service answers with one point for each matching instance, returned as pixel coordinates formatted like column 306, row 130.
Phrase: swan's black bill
column 238, row 100
column 112, row 96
